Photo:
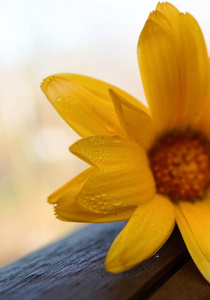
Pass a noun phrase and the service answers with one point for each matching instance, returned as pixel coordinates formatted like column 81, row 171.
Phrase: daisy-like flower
column 148, row 165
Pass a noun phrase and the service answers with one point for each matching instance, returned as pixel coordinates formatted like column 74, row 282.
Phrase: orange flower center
column 181, row 165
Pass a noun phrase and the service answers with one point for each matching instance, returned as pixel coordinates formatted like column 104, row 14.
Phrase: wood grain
column 186, row 284
column 73, row 268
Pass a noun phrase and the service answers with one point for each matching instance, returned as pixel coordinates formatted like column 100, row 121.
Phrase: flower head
column 148, row 165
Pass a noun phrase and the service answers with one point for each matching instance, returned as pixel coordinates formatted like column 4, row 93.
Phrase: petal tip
column 111, row 92
column 56, row 78
column 45, row 82
column 115, row 266
column 112, row 270
column 114, row 95
column 112, row 265
column 50, row 200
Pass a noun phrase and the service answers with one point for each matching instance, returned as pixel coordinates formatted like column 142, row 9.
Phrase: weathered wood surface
column 73, row 268
column 186, row 284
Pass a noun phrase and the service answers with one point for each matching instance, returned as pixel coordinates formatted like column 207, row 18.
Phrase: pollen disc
column 180, row 162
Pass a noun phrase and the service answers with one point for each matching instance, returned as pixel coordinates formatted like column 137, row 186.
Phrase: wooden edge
column 73, row 268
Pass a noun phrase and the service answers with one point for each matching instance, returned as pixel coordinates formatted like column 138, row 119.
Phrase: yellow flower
column 151, row 166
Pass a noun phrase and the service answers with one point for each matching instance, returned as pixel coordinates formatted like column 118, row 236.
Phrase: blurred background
column 39, row 38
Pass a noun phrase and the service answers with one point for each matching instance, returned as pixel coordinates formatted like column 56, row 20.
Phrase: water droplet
column 92, row 138
column 157, row 255
column 116, row 202
column 116, row 139
column 103, row 194
column 105, row 202
column 56, row 204
column 92, row 197
column 58, row 99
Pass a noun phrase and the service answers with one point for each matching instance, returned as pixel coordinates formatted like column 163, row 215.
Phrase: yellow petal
column 174, row 66
column 147, row 230
column 124, row 178
column 168, row 10
column 67, row 207
column 193, row 69
column 134, row 119
column 110, row 192
column 203, row 123
column 110, row 152
column 194, row 223
column 159, row 74
column 84, row 103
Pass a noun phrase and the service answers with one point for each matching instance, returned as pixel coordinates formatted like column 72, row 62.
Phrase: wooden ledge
column 73, row 268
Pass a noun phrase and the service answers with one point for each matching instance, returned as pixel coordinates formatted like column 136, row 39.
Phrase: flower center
column 180, row 162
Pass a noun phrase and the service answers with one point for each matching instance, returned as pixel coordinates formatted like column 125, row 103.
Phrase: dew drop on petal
column 100, row 201
column 116, row 139
column 92, row 197
column 58, row 99
column 92, row 138
column 116, row 202
column 103, row 194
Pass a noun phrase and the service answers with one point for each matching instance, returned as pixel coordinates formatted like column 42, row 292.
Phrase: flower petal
column 67, row 207
column 134, row 119
column 194, row 223
column 193, row 70
column 84, row 103
column 174, row 66
column 110, row 152
column 110, row 192
column 147, row 230
column 203, row 123
column 124, row 178
column 159, row 74
column 168, row 10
